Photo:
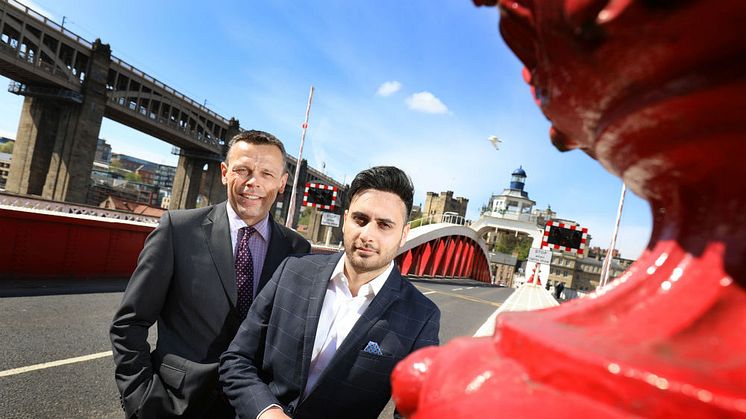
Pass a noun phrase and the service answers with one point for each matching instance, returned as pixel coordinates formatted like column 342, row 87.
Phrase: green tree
column 524, row 245
column 116, row 167
column 7, row 147
column 511, row 244
column 505, row 244
column 133, row 177
column 305, row 216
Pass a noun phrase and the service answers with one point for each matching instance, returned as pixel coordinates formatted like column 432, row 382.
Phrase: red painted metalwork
column 405, row 262
column 43, row 245
column 446, row 257
column 426, row 250
column 438, row 248
column 450, row 256
column 461, row 258
column 440, row 270
column 655, row 91
column 466, row 271
column 414, row 254
column 457, row 253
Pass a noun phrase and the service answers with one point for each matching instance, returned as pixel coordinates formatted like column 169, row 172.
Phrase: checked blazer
column 269, row 359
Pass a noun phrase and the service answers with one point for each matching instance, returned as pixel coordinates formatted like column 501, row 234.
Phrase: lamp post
column 606, row 267
column 291, row 208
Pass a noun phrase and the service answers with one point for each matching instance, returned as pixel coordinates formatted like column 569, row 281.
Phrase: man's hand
column 273, row 413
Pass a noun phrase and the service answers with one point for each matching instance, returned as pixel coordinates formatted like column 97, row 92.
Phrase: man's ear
column 344, row 221
column 284, row 180
column 224, row 172
column 404, row 234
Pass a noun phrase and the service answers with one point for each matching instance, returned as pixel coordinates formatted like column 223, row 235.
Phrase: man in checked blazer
column 186, row 281
column 325, row 333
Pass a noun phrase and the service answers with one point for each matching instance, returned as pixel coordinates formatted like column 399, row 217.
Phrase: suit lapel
column 377, row 308
column 354, row 342
column 315, row 302
column 277, row 250
column 218, row 233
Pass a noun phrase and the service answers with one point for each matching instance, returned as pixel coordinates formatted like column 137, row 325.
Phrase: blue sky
column 414, row 84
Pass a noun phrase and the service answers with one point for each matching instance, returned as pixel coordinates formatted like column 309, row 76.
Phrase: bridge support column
column 186, row 182
column 56, row 139
column 216, row 191
column 35, row 139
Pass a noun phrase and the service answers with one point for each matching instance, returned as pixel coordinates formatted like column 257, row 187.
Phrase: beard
column 368, row 259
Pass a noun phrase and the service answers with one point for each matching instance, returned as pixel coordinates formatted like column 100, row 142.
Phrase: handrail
column 439, row 218
column 39, row 204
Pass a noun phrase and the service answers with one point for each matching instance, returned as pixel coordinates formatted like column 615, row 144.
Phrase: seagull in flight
column 495, row 141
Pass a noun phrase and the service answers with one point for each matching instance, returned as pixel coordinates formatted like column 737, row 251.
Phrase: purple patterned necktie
column 244, row 272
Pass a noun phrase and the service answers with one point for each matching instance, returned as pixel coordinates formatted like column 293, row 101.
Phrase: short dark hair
column 384, row 178
column 259, row 138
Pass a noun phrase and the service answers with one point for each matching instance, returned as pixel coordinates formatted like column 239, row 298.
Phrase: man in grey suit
column 325, row 333
column 196, row 277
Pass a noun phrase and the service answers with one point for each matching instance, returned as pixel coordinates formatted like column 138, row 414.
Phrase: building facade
column 503, row 268
column 4, row 168
column 164, row 176
column 580, row 273
column 438, row 205
column 103, row 152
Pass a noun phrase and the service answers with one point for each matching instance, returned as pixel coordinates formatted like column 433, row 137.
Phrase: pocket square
column 373, row 348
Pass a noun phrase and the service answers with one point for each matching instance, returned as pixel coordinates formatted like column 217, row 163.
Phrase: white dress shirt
column 339, row 313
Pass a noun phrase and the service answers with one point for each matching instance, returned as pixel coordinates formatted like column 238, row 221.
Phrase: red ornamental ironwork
column 656, row 92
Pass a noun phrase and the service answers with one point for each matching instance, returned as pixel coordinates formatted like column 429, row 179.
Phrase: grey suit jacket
column 268, row 360
column 186, row 281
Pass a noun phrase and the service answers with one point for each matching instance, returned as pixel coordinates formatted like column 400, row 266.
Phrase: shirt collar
column 372, row 287
column 262, row 227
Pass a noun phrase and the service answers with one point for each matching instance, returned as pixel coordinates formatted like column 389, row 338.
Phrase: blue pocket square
column 373, row 348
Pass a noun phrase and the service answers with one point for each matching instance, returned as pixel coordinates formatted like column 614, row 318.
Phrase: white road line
column 457, row 289
column 429, row 292
column 44, row 365
column 468, row 288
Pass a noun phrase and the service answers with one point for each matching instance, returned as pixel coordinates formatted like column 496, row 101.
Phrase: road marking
column 429, row 292
column 45, row 365
column 457, row 289
column 468, row 288
column 463, row 297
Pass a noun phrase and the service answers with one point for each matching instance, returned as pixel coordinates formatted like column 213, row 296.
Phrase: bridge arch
column 445, row 250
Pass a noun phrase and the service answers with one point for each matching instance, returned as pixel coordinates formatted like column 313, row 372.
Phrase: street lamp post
column 291, row 208
column 606, row 267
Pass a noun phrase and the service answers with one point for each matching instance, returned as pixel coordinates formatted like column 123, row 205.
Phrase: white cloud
column 426, row 102
column 388, row 88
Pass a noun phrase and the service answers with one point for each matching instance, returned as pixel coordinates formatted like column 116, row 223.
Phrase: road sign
column 565, row 237
column 320, row 196
column 332, row 220
column 540, row 255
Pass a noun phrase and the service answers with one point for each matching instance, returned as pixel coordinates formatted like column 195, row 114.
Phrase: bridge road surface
column 46, row 322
